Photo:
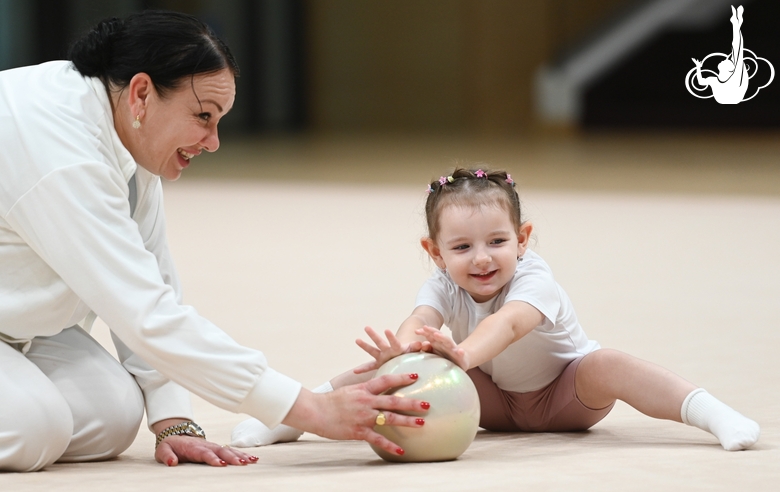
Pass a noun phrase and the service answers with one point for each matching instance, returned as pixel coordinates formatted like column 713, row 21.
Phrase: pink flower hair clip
column 446, row 179
column 480, row 173
column 509, row 179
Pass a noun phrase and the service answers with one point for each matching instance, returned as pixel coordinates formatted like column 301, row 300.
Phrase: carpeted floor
column 667, row 245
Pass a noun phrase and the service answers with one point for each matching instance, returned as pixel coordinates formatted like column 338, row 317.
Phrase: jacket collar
column 126, row 162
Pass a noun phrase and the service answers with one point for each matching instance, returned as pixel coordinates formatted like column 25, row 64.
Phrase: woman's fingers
column 396, row 406
column 178, row 449
column 164, row 454
column 392, row 418
column 233, row 456
column 384, row 383
column 381, row 441
column 395, row 403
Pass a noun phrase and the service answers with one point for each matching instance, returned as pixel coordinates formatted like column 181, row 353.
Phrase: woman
column 82, row 235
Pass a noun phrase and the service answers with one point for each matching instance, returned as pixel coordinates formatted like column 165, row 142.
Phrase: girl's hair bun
column 91, row 55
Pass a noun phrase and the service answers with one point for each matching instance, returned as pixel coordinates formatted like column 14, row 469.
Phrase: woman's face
column 178, row 127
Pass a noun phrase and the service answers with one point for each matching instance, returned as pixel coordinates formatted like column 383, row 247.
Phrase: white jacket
column 68, row 246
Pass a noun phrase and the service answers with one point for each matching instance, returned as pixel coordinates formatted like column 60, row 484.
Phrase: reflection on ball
column 453, row 419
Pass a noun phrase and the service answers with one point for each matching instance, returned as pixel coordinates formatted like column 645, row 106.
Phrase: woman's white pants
column 67, row 399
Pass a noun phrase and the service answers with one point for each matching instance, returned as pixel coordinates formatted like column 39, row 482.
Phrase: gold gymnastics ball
column 452, row 421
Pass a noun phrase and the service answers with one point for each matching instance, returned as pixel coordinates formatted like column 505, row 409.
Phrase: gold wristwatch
column 189, row 428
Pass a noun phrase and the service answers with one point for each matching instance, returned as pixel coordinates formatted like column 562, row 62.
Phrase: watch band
column 188, row 428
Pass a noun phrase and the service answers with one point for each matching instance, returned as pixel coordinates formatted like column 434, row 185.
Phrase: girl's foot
column 733, row 430
column 252, row 433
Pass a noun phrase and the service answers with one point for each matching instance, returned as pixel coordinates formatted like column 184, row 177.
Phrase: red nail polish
column 242, row 461
column 253, row 458
column 170, row 461
column 414, row 375
column 420, row 421
column 399, row 452
column 425, row 405
column 222, row 462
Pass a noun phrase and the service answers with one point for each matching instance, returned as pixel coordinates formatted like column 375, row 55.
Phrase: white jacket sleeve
column 163, row 398
column 77, row 220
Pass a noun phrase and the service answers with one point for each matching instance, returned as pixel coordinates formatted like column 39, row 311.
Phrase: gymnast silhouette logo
column 730, row 84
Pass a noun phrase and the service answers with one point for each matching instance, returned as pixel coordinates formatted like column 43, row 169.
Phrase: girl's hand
column 385, row 349
column 445, row 346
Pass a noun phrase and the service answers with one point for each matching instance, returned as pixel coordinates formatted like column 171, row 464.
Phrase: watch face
column 194, row 429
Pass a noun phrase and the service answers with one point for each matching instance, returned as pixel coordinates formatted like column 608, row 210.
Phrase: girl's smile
column 484, row 276
column 479, row 247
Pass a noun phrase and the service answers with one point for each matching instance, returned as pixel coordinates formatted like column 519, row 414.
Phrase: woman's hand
column 351, row 412
column 385, row 350
column 188, row 449
column 445, row 346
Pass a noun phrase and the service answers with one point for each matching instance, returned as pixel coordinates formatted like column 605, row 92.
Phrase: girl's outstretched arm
column 421, row 316
column 495, row 333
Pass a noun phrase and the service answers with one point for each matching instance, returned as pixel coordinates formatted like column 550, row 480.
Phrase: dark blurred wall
column 437, row 65
column 345, row 65
column 264, row 35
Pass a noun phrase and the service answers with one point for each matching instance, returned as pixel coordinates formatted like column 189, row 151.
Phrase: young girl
column 515, row 332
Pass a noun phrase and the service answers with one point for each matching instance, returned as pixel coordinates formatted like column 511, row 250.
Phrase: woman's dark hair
column 168, row 46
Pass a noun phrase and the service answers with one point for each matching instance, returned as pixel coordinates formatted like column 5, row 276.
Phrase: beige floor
column 666, row 244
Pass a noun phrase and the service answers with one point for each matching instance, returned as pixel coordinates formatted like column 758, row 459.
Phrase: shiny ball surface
column 453, row 419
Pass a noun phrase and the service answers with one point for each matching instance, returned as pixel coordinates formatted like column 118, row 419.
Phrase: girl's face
column 478, row 247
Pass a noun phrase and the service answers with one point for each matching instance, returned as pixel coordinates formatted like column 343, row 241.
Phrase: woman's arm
column 495, row 333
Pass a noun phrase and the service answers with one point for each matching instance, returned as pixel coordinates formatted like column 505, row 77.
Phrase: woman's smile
column 184, row 157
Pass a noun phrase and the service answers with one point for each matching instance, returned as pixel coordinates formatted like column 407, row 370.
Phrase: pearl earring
column 137, row 122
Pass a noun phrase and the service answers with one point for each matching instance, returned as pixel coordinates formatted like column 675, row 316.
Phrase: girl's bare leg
column 607, row 375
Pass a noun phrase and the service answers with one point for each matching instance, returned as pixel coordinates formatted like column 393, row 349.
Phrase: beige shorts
column 554, row 408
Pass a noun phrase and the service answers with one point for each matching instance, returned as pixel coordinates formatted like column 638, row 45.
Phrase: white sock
column 252, row 433
column 733, row 430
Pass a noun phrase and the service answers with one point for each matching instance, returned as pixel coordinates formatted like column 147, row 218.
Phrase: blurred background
column 467, row 67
